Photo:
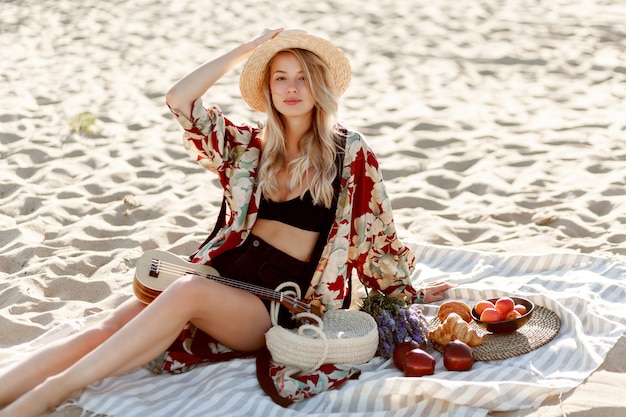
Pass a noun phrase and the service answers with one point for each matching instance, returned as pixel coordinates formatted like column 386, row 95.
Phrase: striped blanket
column 586, row 292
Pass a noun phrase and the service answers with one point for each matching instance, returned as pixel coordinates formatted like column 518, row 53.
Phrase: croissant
column 453, row 306
column 455, row 328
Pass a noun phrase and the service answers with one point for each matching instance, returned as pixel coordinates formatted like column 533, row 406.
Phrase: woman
column 306, row 203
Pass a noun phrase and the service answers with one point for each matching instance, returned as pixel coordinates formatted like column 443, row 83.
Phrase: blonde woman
column 306, row 204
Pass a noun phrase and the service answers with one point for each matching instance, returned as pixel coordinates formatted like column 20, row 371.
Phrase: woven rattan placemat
column 542, row 327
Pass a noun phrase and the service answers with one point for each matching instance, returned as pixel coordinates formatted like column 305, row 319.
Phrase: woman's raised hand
column 193, row 85
column 266, row 35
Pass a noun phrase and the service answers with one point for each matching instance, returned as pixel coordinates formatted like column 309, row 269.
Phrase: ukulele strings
column 177, row 270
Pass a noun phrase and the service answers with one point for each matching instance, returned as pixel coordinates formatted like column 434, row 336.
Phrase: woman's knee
column 94, row 336
column 189, row 289
column 118, row 318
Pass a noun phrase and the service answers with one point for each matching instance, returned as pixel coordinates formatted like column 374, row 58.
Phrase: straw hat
column 253, row 72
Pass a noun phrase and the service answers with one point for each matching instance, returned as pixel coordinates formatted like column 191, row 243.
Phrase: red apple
column 490, row 315
column 458, row 356
column 418, row 363
column 504, row 305
column 401, row 350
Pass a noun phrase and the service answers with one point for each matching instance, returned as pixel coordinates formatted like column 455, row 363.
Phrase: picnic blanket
column 586, row 293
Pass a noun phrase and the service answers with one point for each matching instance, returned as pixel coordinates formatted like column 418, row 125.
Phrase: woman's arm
column 193, row 85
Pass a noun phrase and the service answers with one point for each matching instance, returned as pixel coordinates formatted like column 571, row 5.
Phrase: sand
column 499, row 127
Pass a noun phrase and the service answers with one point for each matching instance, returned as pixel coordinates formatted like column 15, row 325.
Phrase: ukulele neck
column 292, row 303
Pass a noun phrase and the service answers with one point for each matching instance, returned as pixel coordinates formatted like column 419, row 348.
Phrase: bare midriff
column 298, row 243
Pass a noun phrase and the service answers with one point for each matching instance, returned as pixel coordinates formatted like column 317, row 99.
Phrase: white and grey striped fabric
column 586, row 292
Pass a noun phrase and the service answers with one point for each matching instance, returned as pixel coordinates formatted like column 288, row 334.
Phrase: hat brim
column 253, row 73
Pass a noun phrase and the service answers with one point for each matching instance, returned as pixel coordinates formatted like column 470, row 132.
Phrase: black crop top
column 297, row 212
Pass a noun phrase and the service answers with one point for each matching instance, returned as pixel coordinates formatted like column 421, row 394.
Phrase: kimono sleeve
column 211, row 139
column 381, row 260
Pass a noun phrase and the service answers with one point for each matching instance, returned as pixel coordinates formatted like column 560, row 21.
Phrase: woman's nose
column 292, row 86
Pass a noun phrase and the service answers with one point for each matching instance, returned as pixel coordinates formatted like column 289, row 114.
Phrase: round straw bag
column 342, row 337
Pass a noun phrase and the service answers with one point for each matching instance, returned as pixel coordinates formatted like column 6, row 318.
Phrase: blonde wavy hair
column 315, row 170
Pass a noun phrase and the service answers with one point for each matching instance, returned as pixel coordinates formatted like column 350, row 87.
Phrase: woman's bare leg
column 60, row 355
column 236, row 318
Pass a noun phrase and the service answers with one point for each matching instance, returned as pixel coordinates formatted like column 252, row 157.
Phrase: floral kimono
column 363, row 236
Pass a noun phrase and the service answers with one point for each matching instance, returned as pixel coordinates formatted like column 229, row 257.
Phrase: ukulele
column 157, row 269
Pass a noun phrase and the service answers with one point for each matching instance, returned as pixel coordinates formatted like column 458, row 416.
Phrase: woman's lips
column 292, row 101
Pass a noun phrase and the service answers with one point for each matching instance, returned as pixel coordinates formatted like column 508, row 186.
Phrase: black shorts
column 257, row 262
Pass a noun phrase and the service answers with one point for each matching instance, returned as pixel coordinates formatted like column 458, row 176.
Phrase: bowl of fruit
column 503, row 314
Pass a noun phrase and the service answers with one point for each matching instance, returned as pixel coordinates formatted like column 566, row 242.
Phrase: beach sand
column 499, row 126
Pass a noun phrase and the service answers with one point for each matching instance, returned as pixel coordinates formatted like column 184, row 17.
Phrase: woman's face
column 290, row 93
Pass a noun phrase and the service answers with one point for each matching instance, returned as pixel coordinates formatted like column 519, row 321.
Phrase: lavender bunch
column 397, row 322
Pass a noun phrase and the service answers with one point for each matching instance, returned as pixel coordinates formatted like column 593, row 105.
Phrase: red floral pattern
column 291, row 384
column 363, row 237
